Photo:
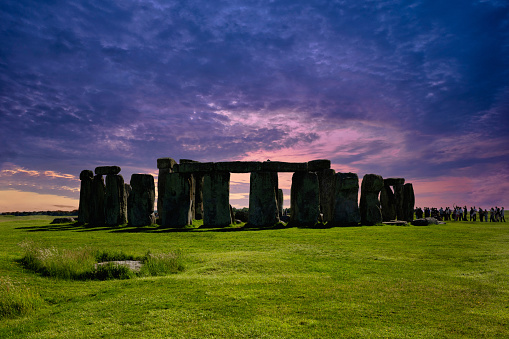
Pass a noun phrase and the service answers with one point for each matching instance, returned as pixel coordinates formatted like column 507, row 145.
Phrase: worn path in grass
column 384, row 281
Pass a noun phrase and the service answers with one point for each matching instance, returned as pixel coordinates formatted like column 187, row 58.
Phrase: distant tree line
column 52, row 213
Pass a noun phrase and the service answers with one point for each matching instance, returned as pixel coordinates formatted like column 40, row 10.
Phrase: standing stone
column 398, row 197
column 141, row 200
column 216, row 199
column 97, row 201
column 263, row 208
column 408, row 202
column 165, row 166
column 369, row 204
column 198, row 196
column 176, row 206
column 327, row 182
column 85, row 206
column 280, row 200
column 346, row 206
column 193, row 186
column 304, row 199
column 115, row 201
column 387, row 203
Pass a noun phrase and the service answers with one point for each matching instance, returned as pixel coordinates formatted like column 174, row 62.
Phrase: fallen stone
column 395, row 223
column 425, row 221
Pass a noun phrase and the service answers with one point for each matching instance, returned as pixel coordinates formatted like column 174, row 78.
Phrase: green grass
column 376, row 282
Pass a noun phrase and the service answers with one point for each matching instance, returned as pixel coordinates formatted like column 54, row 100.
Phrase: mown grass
column 384, row 281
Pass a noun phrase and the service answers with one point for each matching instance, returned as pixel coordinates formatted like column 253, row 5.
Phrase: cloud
column 410, row 89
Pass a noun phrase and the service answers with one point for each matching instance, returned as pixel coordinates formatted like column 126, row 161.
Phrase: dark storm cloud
column 84, row 83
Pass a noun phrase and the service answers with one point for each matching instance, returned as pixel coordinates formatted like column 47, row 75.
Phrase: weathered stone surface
column 105, row 170
column 304, row 199
column 86, row 174
column 398, row 197
column 187, row 161
column 425, row 221
column 318, row 165
column 198, row 196
column 141, row 200
column 97, row 201
column 166, row 163
column 63, row 220
column 115, row 201
column 369, row 203
column 346, row 194
column 408, row 202
column 278, row 166
column 387, row 203
column 263, row 208
column 327, row 184
column 216, row 199
column 280, row 200
column 176, row 203
column 197, row 167
column 85, row 205
column 394, row 181
column 239, row 166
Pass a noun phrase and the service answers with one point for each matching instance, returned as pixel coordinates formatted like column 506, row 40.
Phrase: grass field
column 377, row 282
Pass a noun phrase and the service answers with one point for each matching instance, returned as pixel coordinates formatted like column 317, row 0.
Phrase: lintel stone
column 239, row 166
column 318, row 165
column 394, row 181
column 197, row 167
column 279, row 166
column 105, row 170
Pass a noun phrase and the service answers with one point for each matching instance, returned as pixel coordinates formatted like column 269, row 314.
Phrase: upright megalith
column 97, row 201
column 165, row 166
column 263, row 205
column 85, row 205
column 408, row 202
column 327, row 183
column 346, row 206
column 391, row 199
column 141, row 200
column 369, row 203
column 280, row 200
column 115, row 201
column 387, row 203
column 176, row 204
column 192, row 177
column 304, row 199
column 198, row 196
column 216, row 199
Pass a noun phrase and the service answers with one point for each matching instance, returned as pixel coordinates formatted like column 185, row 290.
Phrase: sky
column 413, row 89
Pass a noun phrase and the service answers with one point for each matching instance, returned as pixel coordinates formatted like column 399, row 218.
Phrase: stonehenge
column 190, row 190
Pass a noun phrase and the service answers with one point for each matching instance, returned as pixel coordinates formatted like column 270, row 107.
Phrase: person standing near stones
column 502, row 214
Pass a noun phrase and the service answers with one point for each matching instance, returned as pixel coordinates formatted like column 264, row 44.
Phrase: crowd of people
column 458, row 213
